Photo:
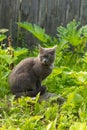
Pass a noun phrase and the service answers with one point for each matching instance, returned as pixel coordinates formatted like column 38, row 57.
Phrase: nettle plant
column 72, row 41
column 6, row 60
column 73, row 34
column 38, row 32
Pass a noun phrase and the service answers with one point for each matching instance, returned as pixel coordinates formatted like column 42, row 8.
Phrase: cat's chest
column 45, row 71
column 42, row 71
column 51, row 66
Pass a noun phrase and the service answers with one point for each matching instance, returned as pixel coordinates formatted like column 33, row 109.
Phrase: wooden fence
column 47, row 13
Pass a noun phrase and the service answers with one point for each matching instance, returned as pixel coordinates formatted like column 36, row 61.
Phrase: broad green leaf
column 75, row 98
column 2, row 37
column 37, row 31
column 71, row 34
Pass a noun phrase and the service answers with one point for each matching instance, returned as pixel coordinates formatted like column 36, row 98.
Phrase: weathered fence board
column 49, row 14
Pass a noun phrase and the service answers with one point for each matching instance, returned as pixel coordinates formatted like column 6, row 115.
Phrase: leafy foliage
column 69, row 79
column 72, row 34
column 72, row 42
column 78, row 126
column 2, row 37
column 5, row 61
column 37, row 31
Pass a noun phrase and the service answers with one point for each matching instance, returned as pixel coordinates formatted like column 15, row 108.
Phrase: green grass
column 68, row 79
column 28, row 114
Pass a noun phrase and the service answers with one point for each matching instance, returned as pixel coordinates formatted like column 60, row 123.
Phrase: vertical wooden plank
column 30, row 13
column 42, row 13
column 62, row 11
column 55, row 15
column 72, row 10
column 29, row 10
column 47, row 13
column 9, row 15
column 35, row 6
column 4, row 14
column 14, row 18
column 83, row 12
column 76, row 9
column 25, row 9
column 0, row 12
column 51, row 16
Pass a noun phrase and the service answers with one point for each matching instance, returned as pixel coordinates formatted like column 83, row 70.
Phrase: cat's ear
column 41, row 49
column 54, row 48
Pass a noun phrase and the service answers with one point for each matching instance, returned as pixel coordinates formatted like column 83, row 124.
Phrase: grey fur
column 25, row 79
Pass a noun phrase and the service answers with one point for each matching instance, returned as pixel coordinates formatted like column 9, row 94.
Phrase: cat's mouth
column 46, row 62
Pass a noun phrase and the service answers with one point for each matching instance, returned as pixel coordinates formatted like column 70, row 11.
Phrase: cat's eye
column 46, row 56
column 52, row 52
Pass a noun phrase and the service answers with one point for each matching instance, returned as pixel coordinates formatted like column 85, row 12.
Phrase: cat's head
column 47, row 55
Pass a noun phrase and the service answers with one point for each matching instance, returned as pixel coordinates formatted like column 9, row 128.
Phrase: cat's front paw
column 42, row 90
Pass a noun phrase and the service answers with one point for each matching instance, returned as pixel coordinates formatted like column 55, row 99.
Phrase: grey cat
column 25, row 79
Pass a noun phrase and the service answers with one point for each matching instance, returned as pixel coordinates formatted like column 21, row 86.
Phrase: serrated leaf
column 36, row 30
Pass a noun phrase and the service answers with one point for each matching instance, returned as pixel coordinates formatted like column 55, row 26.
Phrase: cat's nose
column 45, row 60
